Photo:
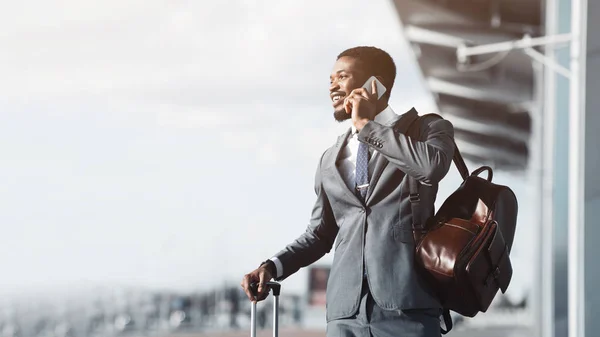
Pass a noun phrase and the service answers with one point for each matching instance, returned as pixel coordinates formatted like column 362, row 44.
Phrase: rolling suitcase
column 276, row 287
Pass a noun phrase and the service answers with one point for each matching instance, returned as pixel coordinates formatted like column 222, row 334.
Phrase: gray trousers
column 372, row 321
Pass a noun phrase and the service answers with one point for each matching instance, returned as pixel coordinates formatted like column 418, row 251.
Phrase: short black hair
column 378, row 63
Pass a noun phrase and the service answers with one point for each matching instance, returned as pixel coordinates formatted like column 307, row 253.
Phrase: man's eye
column 337, row 78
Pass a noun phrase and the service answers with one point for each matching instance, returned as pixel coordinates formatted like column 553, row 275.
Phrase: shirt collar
column 386, row 116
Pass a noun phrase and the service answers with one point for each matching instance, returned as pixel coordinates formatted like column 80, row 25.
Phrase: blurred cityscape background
column 223, row 311
column 112, row 312
column 153, row 152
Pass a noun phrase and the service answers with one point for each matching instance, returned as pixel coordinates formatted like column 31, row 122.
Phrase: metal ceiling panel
column 486, row 97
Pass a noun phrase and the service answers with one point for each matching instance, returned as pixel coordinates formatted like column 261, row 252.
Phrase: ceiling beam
column 492, row 128
column 496, row 155
column 493, row 92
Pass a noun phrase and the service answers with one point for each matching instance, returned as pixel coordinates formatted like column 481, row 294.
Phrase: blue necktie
column 362, row 169
column 362, row 175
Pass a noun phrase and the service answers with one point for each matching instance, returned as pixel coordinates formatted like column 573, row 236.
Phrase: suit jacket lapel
column 332, row 165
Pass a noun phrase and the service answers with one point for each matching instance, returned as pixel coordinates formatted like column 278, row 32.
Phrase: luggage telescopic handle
column 276, row 291
column 271, row 284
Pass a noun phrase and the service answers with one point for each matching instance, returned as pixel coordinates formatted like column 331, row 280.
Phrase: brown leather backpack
column 463, row 250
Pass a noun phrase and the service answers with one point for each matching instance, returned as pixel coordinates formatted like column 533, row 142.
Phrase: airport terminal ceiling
column 488, row 98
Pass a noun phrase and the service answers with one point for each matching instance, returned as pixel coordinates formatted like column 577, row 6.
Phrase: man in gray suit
column 363, row 202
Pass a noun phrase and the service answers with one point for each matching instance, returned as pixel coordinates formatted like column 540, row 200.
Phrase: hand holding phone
column 380, row 87
column 361, row 104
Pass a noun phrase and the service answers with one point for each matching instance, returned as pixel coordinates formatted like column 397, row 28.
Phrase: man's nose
column 334, row 86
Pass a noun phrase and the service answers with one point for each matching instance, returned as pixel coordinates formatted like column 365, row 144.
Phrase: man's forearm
column 315, row 242
column 305, row 250
column 428, row 161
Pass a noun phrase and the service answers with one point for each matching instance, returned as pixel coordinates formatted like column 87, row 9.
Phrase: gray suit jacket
column 378, row 231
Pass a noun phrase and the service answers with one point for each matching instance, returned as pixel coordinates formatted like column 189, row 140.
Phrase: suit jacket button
column 362, row 210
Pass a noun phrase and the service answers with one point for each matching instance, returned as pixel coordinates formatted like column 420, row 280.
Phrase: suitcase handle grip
column 271, row 285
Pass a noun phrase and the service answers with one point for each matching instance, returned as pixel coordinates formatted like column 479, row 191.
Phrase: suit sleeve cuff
column 367, row 130
column 367, row 134
column 278, row 266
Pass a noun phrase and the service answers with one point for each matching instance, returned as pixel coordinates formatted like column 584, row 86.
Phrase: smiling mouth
column 337, row 97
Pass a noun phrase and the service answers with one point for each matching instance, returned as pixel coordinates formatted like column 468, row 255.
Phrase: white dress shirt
column 347, row 161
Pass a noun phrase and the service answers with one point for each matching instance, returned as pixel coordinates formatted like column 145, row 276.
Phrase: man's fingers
column 367, row 94
column 246, row 286
column 249, row 294
column 360, row 92
column 263, row 296
column 374, row 88
column 348, row 105
column 355, row 99
column 261, row 282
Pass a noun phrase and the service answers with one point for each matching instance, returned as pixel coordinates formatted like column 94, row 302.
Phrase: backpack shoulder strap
column 406, row 122
column 413, row 185
column 447, row 321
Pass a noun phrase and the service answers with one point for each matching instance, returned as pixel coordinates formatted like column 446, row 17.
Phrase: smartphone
column 380, row 87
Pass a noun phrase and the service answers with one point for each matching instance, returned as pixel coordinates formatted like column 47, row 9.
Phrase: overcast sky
column 170, row 143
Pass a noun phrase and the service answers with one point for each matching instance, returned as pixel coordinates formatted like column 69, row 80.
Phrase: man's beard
column 341, row 115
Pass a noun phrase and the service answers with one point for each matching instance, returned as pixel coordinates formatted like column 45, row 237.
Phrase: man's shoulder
column 339, row 140
column 433, row 122
column 430, row 117
column 331, row 149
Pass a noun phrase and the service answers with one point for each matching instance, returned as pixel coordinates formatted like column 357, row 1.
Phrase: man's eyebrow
column 339, row 71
